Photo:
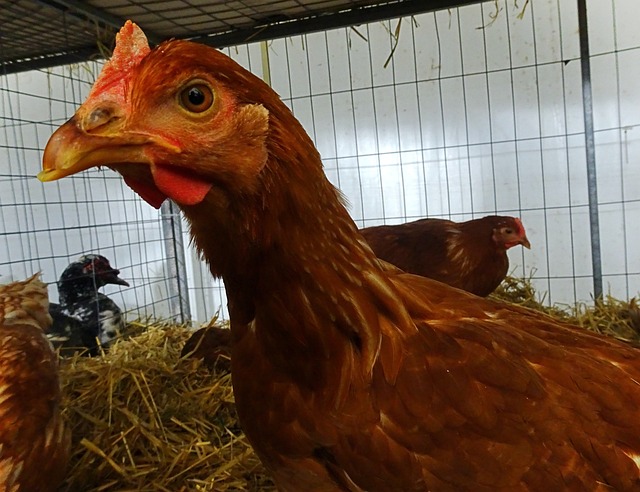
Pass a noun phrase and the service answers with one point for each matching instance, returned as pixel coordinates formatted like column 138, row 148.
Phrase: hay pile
column 611, row 316
column 143, row 420
column 607, row 316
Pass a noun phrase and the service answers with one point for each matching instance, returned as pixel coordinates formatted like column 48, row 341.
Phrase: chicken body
column 34, row 443
column 470, row 255
column 86, row 318
column 348, row 374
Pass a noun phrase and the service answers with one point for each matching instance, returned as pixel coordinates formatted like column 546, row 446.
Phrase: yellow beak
column 71, row 150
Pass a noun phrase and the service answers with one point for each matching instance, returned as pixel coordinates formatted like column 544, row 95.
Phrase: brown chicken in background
column 470, row 255
column 348, row 374
column 34, row 443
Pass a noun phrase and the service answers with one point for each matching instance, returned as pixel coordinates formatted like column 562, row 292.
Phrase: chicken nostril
column 97, row 118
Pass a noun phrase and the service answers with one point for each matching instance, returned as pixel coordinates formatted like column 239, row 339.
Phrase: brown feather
column 34, row 443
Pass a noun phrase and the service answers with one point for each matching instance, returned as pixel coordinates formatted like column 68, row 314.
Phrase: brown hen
column 34, row 442
column 348, row 374
column 470, row 255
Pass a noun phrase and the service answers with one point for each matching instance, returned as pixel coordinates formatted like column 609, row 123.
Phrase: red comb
column 519, row 224
column 131, row 48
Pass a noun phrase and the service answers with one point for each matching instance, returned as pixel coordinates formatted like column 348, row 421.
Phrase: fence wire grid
column 458, row 113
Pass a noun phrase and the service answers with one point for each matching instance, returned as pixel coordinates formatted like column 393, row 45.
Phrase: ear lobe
column 257, row 117
column 252, row 121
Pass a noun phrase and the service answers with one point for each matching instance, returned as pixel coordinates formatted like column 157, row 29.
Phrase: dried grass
column 608, row 316
column 144, row 420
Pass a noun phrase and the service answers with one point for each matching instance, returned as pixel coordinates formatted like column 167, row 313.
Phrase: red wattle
column 180, row 185
column 148, row 192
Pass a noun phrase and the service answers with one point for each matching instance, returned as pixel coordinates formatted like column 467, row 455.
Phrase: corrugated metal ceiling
column 41, row 33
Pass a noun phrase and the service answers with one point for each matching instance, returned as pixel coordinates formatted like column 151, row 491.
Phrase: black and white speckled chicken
column 34, row 442
column 86, row 318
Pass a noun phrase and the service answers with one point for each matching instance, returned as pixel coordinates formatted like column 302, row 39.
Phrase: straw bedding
column 608, row 316
column 144, row 420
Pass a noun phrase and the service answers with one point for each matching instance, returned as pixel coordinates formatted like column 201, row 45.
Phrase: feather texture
column 34, row 442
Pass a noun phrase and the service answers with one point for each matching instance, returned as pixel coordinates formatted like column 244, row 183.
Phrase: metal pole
column 587, row 104
column 176, row 265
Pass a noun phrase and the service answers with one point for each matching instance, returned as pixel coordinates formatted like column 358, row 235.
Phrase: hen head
column 25, row 303
column 509, row 232
column 171, row 121
column 92, row 269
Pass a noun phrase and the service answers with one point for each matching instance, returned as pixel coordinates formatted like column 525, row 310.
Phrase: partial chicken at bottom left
column 34, row 442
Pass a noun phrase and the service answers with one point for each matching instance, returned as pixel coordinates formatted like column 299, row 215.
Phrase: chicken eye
column 196, row 98
column 508, row 230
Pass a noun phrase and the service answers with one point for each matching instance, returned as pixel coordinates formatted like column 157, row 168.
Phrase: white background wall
column 469, row 117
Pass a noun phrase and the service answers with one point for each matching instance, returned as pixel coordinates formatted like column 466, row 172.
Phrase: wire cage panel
column 45, row 227
column 474, row 111
column 458, row 114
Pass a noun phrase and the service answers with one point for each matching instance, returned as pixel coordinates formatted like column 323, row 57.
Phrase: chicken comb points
column 519, row 225
column 131, row 48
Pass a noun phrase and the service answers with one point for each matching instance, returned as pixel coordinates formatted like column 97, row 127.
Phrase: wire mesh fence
column 458, row 113
column 44, row 228
column 479, row 110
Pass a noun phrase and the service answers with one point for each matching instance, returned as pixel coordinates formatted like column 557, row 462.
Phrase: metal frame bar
column 48, row 60
column 355, row 16
column 590, row 150
column 176, row 262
